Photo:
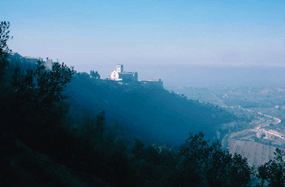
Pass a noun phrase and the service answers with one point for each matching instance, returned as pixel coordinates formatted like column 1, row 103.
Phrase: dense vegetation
column 43, row 145
column 149, row 112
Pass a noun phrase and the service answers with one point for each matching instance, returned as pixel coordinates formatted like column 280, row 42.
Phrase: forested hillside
column 46, row 141
column 157, row 114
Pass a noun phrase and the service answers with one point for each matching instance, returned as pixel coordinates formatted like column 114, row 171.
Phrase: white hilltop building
column 120, row 75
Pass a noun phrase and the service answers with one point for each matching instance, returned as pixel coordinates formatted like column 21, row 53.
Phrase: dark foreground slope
column 46, row 143
column 148, row 111
column 42, row 146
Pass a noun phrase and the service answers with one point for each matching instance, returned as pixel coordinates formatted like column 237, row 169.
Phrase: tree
column 4, row 49
column 204, row 165
column 193, row 156
column 218, row 168
column 100, row 125
column 240, row 171
column 94, row 74
column 138, row 149
column 38, row 107
column 273, row 171
column 42, row 86
column 223, row 169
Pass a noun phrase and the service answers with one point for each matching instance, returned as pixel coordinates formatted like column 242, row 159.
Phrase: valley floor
column 262, row 107
column 257, row 143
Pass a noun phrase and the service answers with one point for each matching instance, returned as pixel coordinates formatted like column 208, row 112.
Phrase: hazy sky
column 97, row 34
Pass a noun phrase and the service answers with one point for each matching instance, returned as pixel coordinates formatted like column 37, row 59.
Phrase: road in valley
column 255, row 143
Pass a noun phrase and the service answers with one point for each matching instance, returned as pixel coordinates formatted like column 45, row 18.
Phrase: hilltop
column 147, row 110
column 142, row 109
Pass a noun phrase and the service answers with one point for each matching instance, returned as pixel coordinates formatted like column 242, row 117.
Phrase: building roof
column 149, row 80
column 27, row 57
column 126, row 72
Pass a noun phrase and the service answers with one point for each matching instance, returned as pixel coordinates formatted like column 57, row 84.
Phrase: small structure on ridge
column 120, row 75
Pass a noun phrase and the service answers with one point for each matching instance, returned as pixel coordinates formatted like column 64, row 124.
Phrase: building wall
column 120, row 68
column 115, row 75
column 48, row 64
column 120, row 75
column 152, row 82
column 127, row 77
column 136, row 76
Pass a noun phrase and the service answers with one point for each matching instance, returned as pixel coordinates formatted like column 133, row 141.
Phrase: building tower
column 119, row 68
column 49, row 64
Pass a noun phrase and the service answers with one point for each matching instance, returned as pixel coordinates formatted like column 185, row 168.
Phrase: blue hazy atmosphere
column 148, row 34
column 145, row 93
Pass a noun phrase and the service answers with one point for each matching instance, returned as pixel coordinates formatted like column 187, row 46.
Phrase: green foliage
column 241, row 172
column 95, row 75
column 93, row 128
column 157, row 165
column 4, row 49
column 193, row 157
column 40, row 146
column 138, row 149
column 37, row 103
column 204, row 165
column 141, row 109
column 274, row 170
column 42, row 86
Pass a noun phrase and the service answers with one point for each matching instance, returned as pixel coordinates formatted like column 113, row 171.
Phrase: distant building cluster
column 33, row 58
column 48, row 63
column 121, row 76
column 26, row 58
column 118, row 75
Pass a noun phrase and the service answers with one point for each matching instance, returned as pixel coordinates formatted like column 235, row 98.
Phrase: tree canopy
column 4, row 49
column 42, row 146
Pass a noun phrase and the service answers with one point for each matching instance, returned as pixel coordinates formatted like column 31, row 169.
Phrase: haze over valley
column 142, row 93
